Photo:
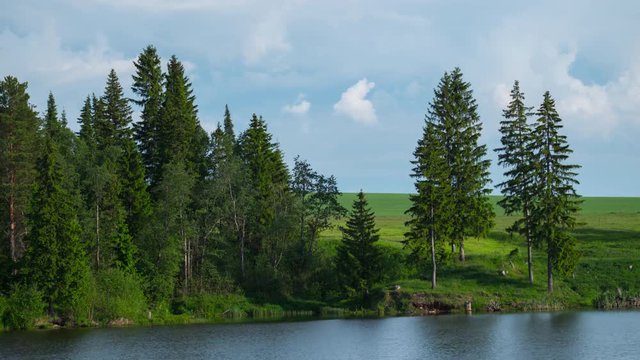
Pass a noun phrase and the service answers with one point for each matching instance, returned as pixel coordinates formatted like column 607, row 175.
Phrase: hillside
column 608, row 240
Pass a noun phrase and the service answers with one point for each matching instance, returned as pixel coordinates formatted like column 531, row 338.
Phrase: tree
column 178, row 123
column 18, row 153
column 319, row 206
column 174, row 230
column 358, row 259
column 457, row 124
column 147, row 84
column 55, row 258
column 428, row 222
column 557, row 202
column 113, row 115
column 516, row 155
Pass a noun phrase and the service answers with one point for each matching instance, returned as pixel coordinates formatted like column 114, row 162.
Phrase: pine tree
column 55, row 258
column 147, row 84
column 18, row 153
column 428, row 223
column 134, row 196
column 557, row 202
column 358, row 259
column 516, row 155
column 454, row 114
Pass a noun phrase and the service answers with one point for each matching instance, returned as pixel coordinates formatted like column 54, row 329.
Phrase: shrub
column 23, row 306
column 119, row 295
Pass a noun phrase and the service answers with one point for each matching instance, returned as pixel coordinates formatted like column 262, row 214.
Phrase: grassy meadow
column 608, row 240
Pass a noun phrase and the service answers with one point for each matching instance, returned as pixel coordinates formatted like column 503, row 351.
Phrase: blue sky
column 345, row 84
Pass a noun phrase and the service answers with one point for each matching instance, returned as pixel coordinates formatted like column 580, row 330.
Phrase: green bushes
column 23, row 306
column 119, row 295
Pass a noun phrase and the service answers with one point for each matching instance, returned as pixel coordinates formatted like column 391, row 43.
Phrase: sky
column 345, row 84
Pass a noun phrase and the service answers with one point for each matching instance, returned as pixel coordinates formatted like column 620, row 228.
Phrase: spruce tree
column 516, row 155
column 18, row 153
column 358, row 259
column 454, row 114
column 428, row 223
column 55, row 258
column 147, row 84
column 557, row 202
column 113, row 114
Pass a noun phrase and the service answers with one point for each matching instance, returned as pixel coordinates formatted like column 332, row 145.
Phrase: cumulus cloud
column 353, row 103
column 301, row 106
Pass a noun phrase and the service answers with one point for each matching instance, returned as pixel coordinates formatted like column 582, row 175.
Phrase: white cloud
column 268, row 37
column 353, row 103
column 301, row 107
column 165, row 5
column 42, row 55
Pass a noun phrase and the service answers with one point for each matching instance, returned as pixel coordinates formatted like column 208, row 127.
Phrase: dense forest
column 151, row 219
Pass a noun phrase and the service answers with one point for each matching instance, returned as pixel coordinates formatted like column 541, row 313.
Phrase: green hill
column 608, row 240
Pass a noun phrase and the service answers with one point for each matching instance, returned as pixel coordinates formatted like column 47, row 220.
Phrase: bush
column 216, row 306
column 23, row 306
column 119, row 295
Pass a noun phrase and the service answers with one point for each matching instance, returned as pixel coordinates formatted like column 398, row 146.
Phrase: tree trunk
column 12, row 228
column 97, row 235
column 529, row 247
column 462, row 258
column 549, row 274
column 530, row 260
column 433, row 256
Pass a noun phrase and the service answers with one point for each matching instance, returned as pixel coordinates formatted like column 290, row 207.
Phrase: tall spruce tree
column 358, row 259
column 18, row 153
column 517, row 156
column 55, row 259
column 557, row 203
column 112, row 122
column 147, row 84
column 454, row 114
column 428, row 223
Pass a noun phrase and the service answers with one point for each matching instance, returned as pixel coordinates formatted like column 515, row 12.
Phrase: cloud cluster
column 353, row 103
column 301, row 107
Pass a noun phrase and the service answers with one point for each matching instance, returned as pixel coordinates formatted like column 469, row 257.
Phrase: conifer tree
column 557, row 202
column 55, row 258
column 18, row 153
column 516, row 155
column 428, row 223
column 358, row 259
column 147, row 84
column 113, row 114
column 454, row 114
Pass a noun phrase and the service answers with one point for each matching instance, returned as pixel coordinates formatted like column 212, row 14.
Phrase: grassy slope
column 609, row 241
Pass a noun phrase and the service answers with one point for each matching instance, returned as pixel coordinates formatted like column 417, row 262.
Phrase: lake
column 560, row 335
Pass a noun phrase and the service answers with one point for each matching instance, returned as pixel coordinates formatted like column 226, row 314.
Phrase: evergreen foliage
column 517, row 156
column 557, row 204
column 19, row 149
column 55, row 260
column 358, row 259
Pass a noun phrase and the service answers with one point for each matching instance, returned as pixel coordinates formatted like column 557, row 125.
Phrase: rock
column 120, row 322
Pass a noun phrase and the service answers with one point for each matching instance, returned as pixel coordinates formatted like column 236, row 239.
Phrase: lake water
column 564, row 335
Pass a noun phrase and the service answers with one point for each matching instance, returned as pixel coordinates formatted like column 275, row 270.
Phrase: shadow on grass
column 482, row 276
column 625, row 237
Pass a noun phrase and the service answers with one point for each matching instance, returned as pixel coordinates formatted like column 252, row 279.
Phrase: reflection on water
column 569, row 335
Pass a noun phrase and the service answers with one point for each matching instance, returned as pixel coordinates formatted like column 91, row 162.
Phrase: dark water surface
column 566, row 335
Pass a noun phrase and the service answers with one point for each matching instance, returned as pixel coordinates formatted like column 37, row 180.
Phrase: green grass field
column 608, row 240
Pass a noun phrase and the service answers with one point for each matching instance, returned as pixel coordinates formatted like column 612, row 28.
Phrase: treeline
column 452, row 173
column 158, row 217
column 156, row 210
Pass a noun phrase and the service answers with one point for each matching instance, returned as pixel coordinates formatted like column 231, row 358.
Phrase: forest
column 157, row 221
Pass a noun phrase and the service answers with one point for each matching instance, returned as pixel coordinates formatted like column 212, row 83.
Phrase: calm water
column 570, row 335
